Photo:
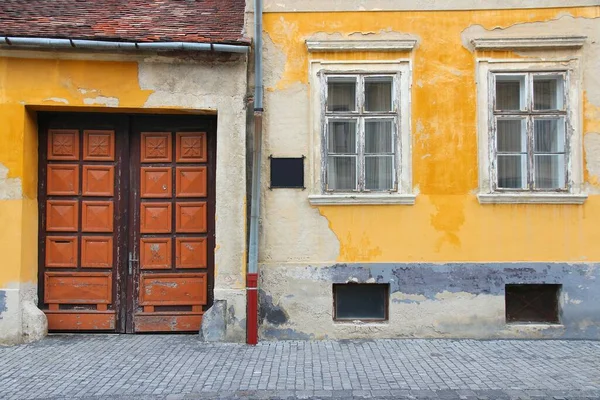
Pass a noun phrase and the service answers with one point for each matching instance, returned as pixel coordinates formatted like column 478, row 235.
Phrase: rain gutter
column 103, row 45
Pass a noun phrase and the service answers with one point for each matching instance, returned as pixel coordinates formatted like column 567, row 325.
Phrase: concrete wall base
column 225, row 321
column 33, row 320
column 21, row 321
column 460, row 300
column 214, row 323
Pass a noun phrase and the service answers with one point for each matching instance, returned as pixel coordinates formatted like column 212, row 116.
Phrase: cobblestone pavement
column 180, row 367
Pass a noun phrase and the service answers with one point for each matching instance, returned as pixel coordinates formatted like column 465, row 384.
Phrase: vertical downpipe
column 252, row 272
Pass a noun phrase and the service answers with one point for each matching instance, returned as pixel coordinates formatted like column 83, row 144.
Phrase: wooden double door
column 126, row 229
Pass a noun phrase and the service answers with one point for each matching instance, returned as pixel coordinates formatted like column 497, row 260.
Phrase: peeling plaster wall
column 10, row 320
column 446, row 224
column 29, row 81
column 427, row 300
column 10, row 188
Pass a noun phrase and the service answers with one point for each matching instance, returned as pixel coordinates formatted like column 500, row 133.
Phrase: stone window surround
column 403, row 194
column 485, row 67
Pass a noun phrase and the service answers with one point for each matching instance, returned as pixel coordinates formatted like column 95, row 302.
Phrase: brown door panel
column 173, row 226
column 82, row 168
column 126, row 221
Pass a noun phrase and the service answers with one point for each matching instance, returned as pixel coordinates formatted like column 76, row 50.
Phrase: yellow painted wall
column 447, row 223
column 28, row 84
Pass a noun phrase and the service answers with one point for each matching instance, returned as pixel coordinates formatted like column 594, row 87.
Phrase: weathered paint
column 2, row 302
column 430, row 300
column 447, row 223
column 73, row 81
column 479, row 248
column 269, row 312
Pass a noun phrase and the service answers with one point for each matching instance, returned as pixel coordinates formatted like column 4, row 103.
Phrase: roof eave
column 105, row 45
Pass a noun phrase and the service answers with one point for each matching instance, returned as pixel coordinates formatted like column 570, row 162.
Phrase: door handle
column 131, row 261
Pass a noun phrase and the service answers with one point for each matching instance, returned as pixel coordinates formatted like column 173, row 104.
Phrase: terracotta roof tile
column 215, row 21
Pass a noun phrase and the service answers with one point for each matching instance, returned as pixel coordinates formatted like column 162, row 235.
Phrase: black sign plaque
column 287, row 172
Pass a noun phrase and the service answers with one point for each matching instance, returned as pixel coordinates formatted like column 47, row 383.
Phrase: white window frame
column 361, row 116
column 401, row 71
column 486, row 71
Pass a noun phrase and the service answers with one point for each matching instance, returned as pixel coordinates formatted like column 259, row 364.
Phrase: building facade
column 429, row 169
column 122, row 166
column 450, row 155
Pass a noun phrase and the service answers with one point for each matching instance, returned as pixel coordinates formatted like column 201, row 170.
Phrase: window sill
column 360, row 322
column 531, row 198
column 372, row 199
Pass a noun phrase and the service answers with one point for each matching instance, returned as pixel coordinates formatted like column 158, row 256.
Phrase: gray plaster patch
column 214, row 325
column 591, row 142
column 2, row 302
column 10, row 188
column 285, row 334
column 433, row 300
column 268, row 311
column 429, row 279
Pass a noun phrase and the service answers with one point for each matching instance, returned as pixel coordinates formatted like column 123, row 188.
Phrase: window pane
column 511, row 136
column 510, row 93
column 341, row 173
column 549, row 135
column 549, row 171
column 379, row 172
column 342, row 136
column 341, row 94
column 378, row 94
column 548, row 92
column 378, row 136
column 512, row 171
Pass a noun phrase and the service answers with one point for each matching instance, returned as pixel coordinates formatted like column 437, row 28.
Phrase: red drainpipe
column 252, row 308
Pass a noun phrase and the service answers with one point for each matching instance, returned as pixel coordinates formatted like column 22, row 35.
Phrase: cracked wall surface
column 300, row 242
column 446, row 223
column 458, row 300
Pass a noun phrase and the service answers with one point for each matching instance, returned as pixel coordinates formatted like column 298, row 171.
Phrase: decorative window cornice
column 361, row 45
column 529, row 43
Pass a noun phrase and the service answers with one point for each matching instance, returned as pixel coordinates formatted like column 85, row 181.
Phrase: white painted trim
column 575, row 115
column 361, row 45
column 404, row 170
column 531, row 198
column 533, row 43
column 373, row 199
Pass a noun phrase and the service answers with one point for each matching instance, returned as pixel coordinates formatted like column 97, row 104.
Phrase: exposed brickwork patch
column 215, row 21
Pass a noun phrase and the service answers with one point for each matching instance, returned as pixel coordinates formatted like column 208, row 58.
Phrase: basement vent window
column 365, row 302
column 532, row 303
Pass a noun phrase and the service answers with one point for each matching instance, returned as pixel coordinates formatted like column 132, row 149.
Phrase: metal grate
column 532, row 303
column 367, row 302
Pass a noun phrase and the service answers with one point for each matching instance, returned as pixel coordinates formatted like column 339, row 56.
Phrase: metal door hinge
column 131, row 261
